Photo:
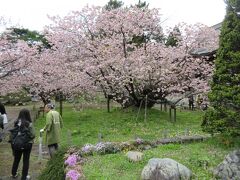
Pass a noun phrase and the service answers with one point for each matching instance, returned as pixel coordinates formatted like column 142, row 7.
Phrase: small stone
column 134, row 156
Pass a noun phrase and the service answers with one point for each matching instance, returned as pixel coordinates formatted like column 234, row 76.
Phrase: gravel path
column 12, row 113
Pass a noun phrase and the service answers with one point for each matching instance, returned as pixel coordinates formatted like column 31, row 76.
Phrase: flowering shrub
column 107, row 147
column 100, row 147
column 88, row 149
column 114, row 147
column 73, row 165
column 71, row 160
column 73, row 175
column 126, row 146
column 139, row 140
column 74, row 157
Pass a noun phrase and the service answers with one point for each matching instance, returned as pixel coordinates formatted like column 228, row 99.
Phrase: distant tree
column 143, row 4
column 27, row 63
column 225, row 90
column 140, row 40
column 114, row 4
column 15, row 56
column 173, row 37
column 31, row 37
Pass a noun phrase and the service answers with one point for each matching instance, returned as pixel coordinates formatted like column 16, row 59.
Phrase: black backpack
column 20, row 137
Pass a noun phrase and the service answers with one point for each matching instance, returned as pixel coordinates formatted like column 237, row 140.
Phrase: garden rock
column 165, row 169
column 134, row 156
column 147, row 147
column 230, row 167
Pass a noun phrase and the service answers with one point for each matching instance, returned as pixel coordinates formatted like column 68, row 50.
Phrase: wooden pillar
column 170, row 114
column 108, row 103
column 61, row 103
column 165, row 106
column 139, row 109
column 175, row 114
column 145, row 114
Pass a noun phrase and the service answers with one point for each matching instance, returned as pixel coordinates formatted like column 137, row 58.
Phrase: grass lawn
column 121, row 125
column 199, row 157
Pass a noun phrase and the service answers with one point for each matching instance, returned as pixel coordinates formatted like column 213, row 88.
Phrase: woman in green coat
column 52, row 128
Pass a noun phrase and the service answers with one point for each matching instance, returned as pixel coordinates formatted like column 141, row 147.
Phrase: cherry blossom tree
column 51, row 75
column 117, row 51
column 29, row 64
column 101, row 44
column 15, row 57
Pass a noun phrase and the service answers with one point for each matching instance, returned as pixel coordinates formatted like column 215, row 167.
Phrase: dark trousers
column 1, row 135
column 52, row 148
column 17, row 157
column 1, row 132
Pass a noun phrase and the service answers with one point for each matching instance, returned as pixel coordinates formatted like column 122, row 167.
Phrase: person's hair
column 50, row 106
column 25, row 117
column 2, row 109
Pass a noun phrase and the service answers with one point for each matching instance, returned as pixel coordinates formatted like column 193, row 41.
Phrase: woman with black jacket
column 23, row 121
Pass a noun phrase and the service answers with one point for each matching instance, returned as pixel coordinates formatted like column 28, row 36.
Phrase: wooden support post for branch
column 174, row 114
column 61, row 103
column 170, row 114
column 61, row 107
column 165, row 106
column 139, row 109
column 108, row 104
column 145, row 114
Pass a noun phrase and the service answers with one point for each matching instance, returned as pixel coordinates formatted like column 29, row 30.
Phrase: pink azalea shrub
column 71, row 160
column 73, row 175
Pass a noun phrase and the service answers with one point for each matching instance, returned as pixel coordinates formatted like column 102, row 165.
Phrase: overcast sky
column 32, row 14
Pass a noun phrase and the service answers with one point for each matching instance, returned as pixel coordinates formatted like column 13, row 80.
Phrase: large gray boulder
column 230, row 167
column 165, row 169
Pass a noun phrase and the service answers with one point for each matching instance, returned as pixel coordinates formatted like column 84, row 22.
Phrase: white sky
column 32, row 14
